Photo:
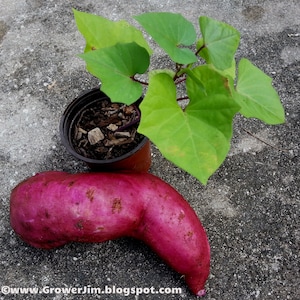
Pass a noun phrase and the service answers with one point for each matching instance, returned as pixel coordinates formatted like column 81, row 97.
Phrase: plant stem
column 201, row 48
column 133, row 122
column 178, row 69
column 182, row 98
column 181, row 80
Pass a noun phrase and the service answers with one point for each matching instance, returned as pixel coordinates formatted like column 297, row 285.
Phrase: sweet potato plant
column 195, row 136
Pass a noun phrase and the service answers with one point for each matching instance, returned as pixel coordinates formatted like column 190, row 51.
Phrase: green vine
column 196, row 138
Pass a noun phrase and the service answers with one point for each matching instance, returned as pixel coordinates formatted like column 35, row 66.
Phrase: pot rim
column 65, row 132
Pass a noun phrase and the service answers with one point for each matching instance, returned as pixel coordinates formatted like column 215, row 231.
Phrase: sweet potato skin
column 53, row 208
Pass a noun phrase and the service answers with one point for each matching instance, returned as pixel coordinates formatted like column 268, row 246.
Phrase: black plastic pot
column 137, row 160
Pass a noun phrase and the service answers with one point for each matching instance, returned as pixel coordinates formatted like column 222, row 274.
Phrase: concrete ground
column 250, row 207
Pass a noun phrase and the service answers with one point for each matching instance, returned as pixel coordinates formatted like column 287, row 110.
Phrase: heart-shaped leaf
column 205, row 80
column 256, row 95
column 171, row 31
column 219, row 41
column 230, row 72
column 115, row 66
column 197, row 139
column 100, row 32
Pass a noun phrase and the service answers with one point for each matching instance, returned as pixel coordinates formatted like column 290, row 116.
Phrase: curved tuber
column 53, row 208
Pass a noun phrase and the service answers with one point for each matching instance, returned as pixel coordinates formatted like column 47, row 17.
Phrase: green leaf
column 230, row 72
column 171, row 31
column 220, row 42
column 211, row 83
column 115, row 66
column 197, row 139
column 100, row 32
column 256, row 95
column 216, row 99
column 171, row 73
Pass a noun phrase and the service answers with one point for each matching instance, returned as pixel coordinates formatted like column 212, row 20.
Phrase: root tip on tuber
column 201, row 293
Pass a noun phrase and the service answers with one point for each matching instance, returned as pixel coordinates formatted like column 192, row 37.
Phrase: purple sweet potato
column 53, row 208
